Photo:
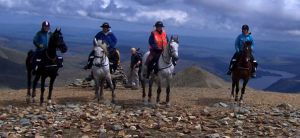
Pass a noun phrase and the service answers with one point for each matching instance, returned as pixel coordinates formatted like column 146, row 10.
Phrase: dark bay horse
column 242, row 70
column 47, row 67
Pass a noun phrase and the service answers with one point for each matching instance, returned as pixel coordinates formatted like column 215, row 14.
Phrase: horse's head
column 247, row 48
column 58, row 40
column 174, row 44
column 100, row 48
column 246, row 53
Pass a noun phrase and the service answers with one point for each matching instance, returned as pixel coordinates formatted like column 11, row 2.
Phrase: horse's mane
column 103, row 46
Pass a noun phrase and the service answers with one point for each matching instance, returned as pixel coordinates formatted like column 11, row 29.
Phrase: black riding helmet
column 159, row 24
column 45, row 24
column 105, row 25
column 245, row 27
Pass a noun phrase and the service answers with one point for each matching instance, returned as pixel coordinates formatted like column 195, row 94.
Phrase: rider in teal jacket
column 241, row 39
column 41, row 38
column 239, row 43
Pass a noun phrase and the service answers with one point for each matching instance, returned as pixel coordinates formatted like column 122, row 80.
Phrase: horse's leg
column 144, row 92
column 113, row 95
column 243, row 89
column 150, row 90
column 114, row 82
column 158, row 92
column 101, row 89
column 97, row 85
column 28, row 85
column 232, row 89
column 43, row 79
column 168, row 93
column 237, row 83
column 52, row 79
column 35, row 81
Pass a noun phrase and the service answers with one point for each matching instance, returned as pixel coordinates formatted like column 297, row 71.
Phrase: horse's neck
column 51, row 52
column 165, row 56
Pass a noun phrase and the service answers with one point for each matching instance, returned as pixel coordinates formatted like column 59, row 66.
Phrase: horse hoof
column 113, row 101
column 241, row 102
column 49, row 102
column 32, row 100
column 28, row 99
column 168, row 104
column 157, row 104
column 146, row 103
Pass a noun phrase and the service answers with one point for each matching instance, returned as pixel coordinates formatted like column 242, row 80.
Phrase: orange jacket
column 157, row 40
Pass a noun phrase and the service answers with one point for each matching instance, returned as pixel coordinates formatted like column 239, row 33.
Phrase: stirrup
column 228, row 72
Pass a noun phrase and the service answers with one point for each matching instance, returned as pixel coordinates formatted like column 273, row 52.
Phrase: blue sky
column 268, row 19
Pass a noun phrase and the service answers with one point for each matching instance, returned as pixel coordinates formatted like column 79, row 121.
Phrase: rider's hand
column 86, row 67
column 40, row 46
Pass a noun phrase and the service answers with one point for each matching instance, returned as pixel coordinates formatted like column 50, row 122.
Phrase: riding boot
column 149, row 70
column 174, row 62
column 232, row 64
column 90, row 77
column 254, row 68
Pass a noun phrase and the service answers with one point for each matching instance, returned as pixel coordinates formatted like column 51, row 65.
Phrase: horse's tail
column 29, row 58
column 30, row 53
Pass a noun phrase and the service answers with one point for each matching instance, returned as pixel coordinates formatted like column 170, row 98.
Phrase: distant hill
column 197, row 77
column 291, row 85
column 12, row 71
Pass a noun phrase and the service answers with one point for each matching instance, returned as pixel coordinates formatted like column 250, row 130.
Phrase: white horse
column 165, row 71
column 101, row 71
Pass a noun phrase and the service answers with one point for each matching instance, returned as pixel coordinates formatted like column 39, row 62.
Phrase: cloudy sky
column 268, row 19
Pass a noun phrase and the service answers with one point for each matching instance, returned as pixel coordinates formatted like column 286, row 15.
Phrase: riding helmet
column 105, row 25
column 245, row 27
column 45, row 24
column 159, row 24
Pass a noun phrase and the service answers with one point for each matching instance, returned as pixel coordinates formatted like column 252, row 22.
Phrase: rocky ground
column 195, row 112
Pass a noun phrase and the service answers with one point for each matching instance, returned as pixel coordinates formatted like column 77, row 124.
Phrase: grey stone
column 215, row 135
column 25, row 122
column 117, row 127
column 285, row 106
column 238, row 123
column 223, row 104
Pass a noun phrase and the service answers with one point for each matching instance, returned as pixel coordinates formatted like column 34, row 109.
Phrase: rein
column 101, row 62
column 165, row 59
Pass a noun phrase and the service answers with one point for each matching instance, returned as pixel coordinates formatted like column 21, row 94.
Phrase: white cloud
column 179, row 17
column 228, row 15
column 105, row 3
column 294, row 32
column 82, row 13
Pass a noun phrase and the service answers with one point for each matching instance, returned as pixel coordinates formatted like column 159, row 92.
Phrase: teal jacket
column 41, row 39
column 241, row 39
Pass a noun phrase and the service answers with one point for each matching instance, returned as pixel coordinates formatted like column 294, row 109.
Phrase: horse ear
column 177, row 38
column 58, row 29
column 96, row 42
column 172, row 38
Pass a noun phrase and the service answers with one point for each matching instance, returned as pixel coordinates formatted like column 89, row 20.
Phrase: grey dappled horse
column 165, row 71
column 101, row 70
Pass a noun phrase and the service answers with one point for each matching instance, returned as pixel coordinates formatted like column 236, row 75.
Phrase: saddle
column 39, row 60
column 114, row 59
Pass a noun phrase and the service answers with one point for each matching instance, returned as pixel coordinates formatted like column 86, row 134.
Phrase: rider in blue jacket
column 41, row 38
column 107, row 36
column 239, row 43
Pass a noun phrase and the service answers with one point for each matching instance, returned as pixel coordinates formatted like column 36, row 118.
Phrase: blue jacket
column 40, row 39
column 152, row 41
column 241, row 39
column 109, row 38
